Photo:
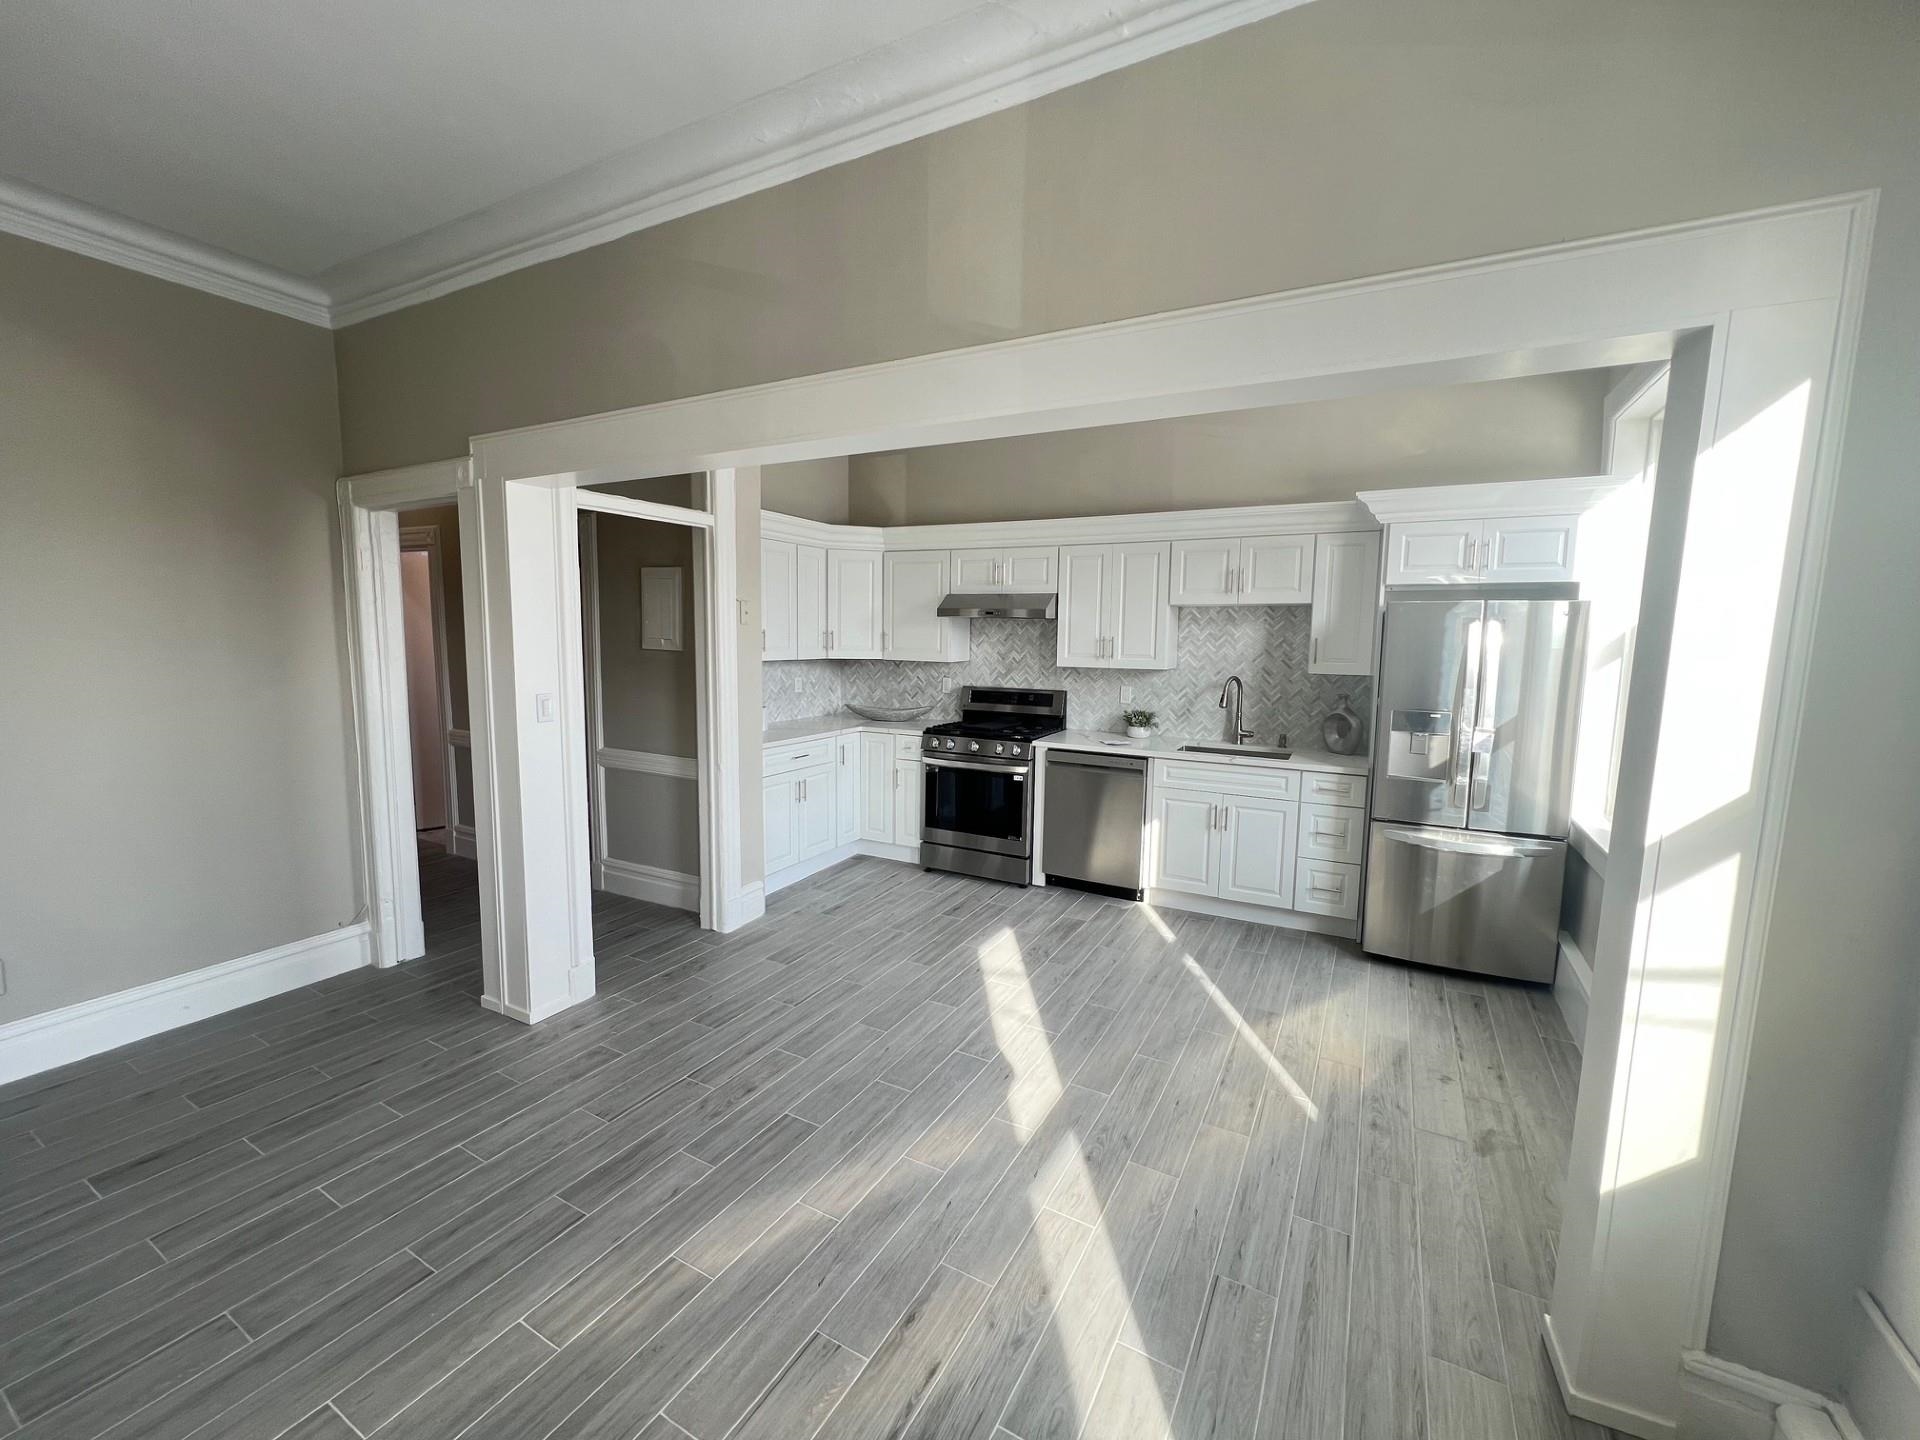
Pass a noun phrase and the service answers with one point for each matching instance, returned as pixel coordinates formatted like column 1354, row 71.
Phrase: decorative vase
column 1341, row 731
column 1139, row 732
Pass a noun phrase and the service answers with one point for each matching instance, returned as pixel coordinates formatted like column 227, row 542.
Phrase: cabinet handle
column 803, row 791
column 1315, row 656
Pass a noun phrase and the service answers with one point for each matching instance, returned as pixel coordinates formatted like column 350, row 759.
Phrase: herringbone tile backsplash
column 1265, row 645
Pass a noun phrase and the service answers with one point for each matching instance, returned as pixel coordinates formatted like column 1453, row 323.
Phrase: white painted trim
column 462, row 842
column 1570, row 496
column 1252, row 914
column 1725, row 1401
column 732, row 900
column 743, row 907
column 1573, row 989
column 1590, row 843
column 1238, row 520
column 977, row 63
column 36, row 214
column 410, row 487
column 60, row 1037
column 648, row 762
column 605, row 504
column 1586, row 1406
column 647, row 882
column 1884, row 1388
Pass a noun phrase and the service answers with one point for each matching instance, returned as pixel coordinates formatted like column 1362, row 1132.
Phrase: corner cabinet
column 853, row 793
column 914, row 583
column 1346, row 602
column 1114, row 611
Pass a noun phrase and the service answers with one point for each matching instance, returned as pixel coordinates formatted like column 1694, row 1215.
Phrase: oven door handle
column 988, row 766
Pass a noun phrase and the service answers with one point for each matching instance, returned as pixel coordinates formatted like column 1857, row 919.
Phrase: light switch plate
column 544, row 708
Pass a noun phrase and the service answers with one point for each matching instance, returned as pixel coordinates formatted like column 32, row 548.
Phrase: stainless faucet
column 1231, row 696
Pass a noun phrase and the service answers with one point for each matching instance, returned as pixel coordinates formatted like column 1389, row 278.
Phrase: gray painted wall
column 1524, row 429
column 1214, row 173
column 176, row 788
column 816, row 489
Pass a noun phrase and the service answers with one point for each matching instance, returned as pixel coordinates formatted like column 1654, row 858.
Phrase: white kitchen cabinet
column 1250, row 570
column 781, row 826
column 1501, row 549
column 1114, row 612
column 809, row 602
column 1276, row 570
column 1205, row 572
column 846, row 789
column 814, row 810
column 1346, row 584
column 1256, row 850
column 778, row 617
column 855, row 591
column 908, row 801
column 1027, row 569
column 914, row 584
column 1188, row 849
column 1325, row 887
column 1332, row 832
column 876, row 788
column 1523, row 548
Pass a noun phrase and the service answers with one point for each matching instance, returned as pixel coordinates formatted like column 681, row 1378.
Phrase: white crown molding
column 1305, row 519
column 1569, row 496
column 985, row 60
column 36, row 214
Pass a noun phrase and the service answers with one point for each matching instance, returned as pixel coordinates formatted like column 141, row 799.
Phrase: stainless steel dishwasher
column 1096, row 815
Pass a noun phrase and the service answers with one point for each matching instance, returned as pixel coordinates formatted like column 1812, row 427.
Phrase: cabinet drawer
column 905, row 747
column 1321, row 788
column 1332, row 832
column 1230, row 779
column 780, row 758
column 1326, row 887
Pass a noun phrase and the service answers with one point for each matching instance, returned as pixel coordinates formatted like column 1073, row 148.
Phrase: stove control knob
column 1001, row 749
column 952, row 744
column 973, row 745
column 1018, row 750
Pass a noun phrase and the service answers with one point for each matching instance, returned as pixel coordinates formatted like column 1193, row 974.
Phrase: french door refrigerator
column 1478, row 700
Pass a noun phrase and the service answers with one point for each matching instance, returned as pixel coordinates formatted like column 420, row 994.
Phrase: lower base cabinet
column 1233, row 847
column 846, row 790
column 798, row 815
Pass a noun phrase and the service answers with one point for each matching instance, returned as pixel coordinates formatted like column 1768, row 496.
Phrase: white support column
column 536, row 742
column 1695, row 844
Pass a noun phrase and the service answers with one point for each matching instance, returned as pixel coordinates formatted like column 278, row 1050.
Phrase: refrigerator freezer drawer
column 1465, row 900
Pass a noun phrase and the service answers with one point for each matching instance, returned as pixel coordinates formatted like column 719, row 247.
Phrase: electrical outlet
column 1126, row 694
column 3, row 977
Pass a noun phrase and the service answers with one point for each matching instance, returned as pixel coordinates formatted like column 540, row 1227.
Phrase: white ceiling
column 382, row 150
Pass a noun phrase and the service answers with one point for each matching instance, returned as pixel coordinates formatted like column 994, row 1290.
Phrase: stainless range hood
column 999, row 607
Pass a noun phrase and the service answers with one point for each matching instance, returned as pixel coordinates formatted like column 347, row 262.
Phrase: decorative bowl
column 890, row 712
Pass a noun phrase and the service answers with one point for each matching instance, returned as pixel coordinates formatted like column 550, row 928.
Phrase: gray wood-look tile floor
column 916, row 1156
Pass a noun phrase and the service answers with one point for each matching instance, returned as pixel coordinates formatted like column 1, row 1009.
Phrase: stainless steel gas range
column 978, row 777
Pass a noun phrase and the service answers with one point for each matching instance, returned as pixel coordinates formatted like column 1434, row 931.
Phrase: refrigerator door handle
column 1465, row 712
column 1486, row 724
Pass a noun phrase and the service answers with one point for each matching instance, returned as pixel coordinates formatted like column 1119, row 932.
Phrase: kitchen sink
column 1264, row 752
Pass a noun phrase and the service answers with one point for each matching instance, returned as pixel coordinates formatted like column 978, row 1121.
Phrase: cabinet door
column 809, row 602
column 1140, row 627
column 846, row 789
column 1346, row 584
column 975, row 571
column 916, row 583
column 1520, row 548
column 1080, row 628
column 1276, row 570
column 876, row 788
column 815, row 811
column 1256, row 850
column 779, row 802
column 907, row 802
column 1188, row 848
column 778, row 620
column 1205, row 572
column 1031, row 569
column 854, row 589
column 1433, row 552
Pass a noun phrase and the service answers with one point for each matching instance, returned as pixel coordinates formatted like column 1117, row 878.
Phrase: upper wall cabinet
column 1028, row 569
column 915, row 583
column 1498, row 549
column 778, row 607
column 817, row 603
column 1346, row 593
column 1254, row 570
column 1114, row 611
column 854, row 604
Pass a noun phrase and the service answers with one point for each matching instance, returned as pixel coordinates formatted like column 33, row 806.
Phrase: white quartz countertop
column 816, row 727
column 1167, row 747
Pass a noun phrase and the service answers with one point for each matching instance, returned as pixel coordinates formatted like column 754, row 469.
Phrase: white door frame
column 1775, row 293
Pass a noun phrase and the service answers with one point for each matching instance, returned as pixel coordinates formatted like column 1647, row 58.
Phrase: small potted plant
column 1139, row 723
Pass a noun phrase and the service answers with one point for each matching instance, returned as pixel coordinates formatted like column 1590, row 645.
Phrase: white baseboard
column 1572, row 988
column 743, row 907
column 1720, row 1400
column 793, row 874
column 1253, row 914
column 462, row 842
column 1614, row 1415
column 648, row 882
column 1884, row 1391
column 59, row 1037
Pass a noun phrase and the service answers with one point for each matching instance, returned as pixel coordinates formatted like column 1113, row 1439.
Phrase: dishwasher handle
column 1088, row 760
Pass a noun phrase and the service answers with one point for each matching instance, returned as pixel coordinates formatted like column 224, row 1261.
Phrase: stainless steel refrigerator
column 1478, row 701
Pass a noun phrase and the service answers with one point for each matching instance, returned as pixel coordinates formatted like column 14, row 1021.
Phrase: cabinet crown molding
column 1569, row 496
column 1233, row 520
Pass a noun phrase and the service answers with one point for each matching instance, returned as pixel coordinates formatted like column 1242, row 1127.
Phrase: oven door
column 977, row 806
